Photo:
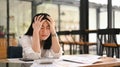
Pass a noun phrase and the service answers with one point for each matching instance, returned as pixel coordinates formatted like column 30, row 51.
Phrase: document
column 82, row 59
column 45, row 61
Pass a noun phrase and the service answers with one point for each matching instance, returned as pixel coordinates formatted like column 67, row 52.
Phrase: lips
column 44, row 35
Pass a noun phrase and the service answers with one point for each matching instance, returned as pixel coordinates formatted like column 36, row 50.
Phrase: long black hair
column 47, row 42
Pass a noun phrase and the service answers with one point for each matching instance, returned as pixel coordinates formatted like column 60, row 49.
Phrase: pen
column 72, row 61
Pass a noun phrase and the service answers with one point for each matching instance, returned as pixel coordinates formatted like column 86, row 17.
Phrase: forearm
column 36, row 42
column 31, row 54
column 55, row 42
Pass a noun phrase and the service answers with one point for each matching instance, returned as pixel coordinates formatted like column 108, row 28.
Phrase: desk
column 59, row 63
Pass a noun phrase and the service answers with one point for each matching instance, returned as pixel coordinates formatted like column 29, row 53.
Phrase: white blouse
column 26, row 43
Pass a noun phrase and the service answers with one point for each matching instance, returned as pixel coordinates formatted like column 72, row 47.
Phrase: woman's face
column 45, row 31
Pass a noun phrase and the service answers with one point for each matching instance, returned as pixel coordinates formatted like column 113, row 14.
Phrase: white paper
column 82, row 59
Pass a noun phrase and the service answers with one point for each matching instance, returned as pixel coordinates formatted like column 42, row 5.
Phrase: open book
column 85, row 59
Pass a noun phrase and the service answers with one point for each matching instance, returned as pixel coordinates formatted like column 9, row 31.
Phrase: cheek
column 41, row 33
column 44, row 33
column 48, row 33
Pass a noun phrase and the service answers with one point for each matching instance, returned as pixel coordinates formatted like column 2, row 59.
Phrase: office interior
column 71, row 16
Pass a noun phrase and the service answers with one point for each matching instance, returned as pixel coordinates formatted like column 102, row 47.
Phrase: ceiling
column 71, row 3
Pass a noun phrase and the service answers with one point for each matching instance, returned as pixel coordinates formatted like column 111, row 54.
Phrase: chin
column 44, row 38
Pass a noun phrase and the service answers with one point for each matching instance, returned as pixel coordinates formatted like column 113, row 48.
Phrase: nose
column 44, row 30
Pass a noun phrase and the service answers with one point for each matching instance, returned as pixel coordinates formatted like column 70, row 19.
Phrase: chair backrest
column 14, row 52
column 107, row 40
column 3, row 48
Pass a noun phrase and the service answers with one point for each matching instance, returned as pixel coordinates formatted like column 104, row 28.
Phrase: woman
column 41, row 39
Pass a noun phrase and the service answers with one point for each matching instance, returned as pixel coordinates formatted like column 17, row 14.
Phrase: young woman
column 41, row 39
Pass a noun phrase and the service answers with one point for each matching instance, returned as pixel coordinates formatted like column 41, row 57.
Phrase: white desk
column 106, row 62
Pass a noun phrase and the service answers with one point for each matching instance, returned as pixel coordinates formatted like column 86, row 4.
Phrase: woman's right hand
column 37, row 24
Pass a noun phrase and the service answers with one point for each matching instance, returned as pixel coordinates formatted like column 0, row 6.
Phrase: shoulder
column 25, row 38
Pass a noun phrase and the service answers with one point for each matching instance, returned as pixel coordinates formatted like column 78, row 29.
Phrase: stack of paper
column 83, row 59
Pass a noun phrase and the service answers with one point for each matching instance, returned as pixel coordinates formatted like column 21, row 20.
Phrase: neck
column 42, row 42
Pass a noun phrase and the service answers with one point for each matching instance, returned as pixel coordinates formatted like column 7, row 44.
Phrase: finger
column 48, row 22
column 40, row 24
column 40, row 19
column 35, row 19
column 51, row 21
column 51, row 24
column 49, row 18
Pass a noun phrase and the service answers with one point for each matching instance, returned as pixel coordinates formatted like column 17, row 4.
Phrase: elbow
column 33, row 56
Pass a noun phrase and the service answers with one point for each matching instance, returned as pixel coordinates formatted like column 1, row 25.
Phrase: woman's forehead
column 45, row 23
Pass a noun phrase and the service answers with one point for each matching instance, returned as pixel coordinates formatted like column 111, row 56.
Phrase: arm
column 36, row 42
column 28, row 52
column 32, row 47
column 56, row 48
column 36, row 39
column 55, row 42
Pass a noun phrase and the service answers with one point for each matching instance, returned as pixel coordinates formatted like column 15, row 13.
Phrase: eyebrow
column 47, row 25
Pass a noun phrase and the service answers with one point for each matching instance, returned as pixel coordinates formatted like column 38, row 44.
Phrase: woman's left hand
column 52, row 24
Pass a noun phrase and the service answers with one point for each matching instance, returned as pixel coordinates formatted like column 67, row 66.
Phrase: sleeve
column 28, row 52
column 56, row 55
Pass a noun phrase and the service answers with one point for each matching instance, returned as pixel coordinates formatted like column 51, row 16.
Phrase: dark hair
column 47, row 43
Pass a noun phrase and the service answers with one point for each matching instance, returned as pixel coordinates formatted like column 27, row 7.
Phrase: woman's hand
column 52, row 24
column 37, row 23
